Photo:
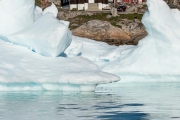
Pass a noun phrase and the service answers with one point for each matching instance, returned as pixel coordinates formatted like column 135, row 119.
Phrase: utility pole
column 114, row 3
column 69, row 5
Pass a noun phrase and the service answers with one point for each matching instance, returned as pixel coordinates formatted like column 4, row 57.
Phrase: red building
column 131, row 1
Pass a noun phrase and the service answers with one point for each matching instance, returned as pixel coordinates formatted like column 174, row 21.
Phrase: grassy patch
column 114, row 24
column 131, row 16
column 38, row 2
column 74, row 9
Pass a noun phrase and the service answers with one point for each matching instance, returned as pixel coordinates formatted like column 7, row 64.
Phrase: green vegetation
column 38, row 2
column 144, row 6
column 74, row 9
column 131, row 16
column 81, row 19
column 114, row 24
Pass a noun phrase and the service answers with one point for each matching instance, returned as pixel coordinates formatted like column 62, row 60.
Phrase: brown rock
column 135, row 39
column 101, row 31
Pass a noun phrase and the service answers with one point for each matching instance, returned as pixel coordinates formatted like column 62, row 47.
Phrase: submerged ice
column 38, row 51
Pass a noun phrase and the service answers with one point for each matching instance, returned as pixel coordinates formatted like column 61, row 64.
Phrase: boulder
column 101, row 31
column 114, row 12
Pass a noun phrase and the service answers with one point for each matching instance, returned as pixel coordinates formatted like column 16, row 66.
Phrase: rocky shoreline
column 114, row 32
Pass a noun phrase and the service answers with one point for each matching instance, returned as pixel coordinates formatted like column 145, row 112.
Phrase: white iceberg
column 77, row 67
column 37, row 13
column 157, row 55
column 47, row 36
column 51, row 9
column 16, row 15
column 155, row 58
column 21, row 68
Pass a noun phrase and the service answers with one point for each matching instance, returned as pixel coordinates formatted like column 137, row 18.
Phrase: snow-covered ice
column 51, row 9
column 22, row 69
column 157, row 55
column 37, row 13
column 46, row 36
column 16, row 15
column 29, row 52
column 41, row 54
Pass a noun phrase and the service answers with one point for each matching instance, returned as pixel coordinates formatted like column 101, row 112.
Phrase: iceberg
column 156, row 57
column 37, row 13
column 51, row 9
column 31, row 48
column 15, row 15
column 22, row 69
column 43, row 55
column 46, row 36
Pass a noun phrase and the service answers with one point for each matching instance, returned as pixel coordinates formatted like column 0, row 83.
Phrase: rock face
column 101, row 31
column 134, row 29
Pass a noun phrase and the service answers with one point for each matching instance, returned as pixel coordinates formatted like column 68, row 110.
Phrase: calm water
column 128, row 101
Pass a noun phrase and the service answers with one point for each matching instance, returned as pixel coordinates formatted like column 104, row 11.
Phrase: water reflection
column 98, row 106
column 127, row 102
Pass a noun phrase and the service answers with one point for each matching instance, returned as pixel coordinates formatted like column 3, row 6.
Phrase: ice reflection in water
column 129, row 101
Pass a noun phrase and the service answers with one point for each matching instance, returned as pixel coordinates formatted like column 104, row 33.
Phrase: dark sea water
column 126, row 101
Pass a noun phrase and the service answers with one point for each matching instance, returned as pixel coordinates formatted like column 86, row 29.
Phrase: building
column 57, row 2
column 65, row 2
column 131, row 1
column 94, row 5
column 91, row 5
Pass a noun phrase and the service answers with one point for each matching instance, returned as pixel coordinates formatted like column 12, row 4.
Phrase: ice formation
column 21, row 69
column 41, row 53
column 51, row 9
column 37, row 13
column 46, row 36
column 157, row 55
column 30, row 45
column 11, row 12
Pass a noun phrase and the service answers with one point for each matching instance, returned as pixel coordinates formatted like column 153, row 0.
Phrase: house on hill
column 57, row 2
column 131, row 1
column 90, row 5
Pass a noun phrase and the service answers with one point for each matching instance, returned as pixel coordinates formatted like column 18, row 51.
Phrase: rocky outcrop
column 135, row 39
column 134, row 28
column 101, row 31
column 65, row 15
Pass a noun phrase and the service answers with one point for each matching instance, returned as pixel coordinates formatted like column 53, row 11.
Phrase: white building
column 91, row 5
